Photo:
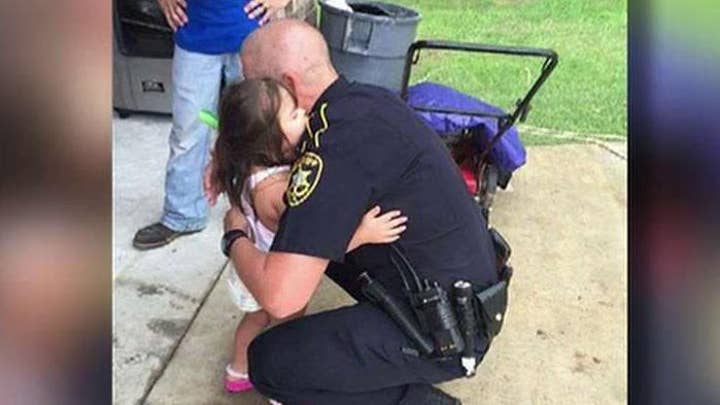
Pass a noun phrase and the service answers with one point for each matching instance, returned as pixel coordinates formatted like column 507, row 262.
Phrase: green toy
column 209, row 119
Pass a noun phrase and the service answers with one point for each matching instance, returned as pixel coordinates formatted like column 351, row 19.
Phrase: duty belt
column 451, row 325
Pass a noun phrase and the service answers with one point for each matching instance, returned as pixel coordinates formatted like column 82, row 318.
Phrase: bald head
column 293, row 52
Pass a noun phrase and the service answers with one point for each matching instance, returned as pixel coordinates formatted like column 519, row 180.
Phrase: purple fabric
column 508, row 153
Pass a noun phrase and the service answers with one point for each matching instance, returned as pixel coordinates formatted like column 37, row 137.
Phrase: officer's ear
column 291, row 83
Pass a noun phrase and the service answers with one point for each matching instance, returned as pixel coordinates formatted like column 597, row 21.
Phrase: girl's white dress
column 263, row 237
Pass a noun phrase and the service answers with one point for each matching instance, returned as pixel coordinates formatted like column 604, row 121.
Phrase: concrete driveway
column 564, row 341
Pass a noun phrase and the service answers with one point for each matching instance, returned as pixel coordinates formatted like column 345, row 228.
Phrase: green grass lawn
column 586, row 93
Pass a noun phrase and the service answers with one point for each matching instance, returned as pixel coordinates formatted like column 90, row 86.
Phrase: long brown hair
column 249, row 133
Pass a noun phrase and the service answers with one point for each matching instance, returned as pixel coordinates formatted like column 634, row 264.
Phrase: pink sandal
column 236, row 382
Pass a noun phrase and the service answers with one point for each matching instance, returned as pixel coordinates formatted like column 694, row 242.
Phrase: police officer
column 364, row 146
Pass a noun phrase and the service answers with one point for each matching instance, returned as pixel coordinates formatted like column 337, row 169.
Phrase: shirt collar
column 335, row 91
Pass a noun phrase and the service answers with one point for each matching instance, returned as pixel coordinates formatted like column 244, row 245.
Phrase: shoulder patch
column 322, row 126
column 315, row 126
column 304, row 178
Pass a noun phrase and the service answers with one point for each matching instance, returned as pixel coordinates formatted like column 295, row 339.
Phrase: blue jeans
column 196, row 86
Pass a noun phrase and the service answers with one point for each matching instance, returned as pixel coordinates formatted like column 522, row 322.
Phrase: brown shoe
column 156, row 235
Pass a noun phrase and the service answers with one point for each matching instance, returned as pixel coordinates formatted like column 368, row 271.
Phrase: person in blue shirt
column 208, row 37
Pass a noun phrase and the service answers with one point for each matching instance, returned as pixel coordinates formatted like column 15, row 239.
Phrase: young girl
column 260, row 124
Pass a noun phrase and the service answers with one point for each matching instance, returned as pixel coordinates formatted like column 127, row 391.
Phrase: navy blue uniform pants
column 350, row 355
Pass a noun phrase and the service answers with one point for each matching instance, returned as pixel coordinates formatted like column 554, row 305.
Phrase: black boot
column 156, row 235
column 425, row 394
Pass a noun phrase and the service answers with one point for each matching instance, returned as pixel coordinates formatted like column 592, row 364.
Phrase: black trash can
column 143, row 46
column 369, row 44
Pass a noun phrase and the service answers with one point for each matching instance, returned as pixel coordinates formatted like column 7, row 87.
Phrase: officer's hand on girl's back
column 234, row 219
column 211, row 184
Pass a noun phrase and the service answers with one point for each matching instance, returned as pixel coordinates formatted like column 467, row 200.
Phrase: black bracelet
column 229, row 238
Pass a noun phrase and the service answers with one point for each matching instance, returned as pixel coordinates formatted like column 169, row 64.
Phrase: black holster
column 492, row 301
column 492, row 304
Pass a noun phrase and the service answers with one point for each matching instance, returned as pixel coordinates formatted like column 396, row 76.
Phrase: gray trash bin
column 369, row 44
column 142, row 58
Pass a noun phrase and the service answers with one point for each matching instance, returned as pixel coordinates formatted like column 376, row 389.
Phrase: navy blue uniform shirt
column 364, row 147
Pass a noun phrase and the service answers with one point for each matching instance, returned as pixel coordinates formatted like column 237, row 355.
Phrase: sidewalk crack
column 155, row 377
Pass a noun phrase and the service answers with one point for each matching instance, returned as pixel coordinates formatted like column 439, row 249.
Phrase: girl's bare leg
column 250, row 326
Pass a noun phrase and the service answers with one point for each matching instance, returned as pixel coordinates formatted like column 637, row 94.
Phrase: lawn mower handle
column 505, row 121
column 551, row 60
column 485, row 48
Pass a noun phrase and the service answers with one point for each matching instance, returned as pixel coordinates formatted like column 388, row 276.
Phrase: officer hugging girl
column 260, row 126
